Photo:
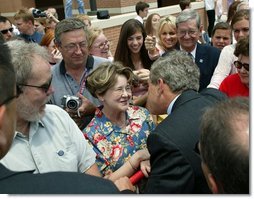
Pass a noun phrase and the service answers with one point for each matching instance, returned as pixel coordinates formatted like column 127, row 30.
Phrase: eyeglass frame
column 102, row 45
column 72, row 47
column 9, row 99
column 45, row 87
column 184, row 32
column 6, row 30
column 244, row 65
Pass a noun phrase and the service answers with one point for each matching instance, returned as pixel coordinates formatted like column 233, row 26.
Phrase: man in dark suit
column 206, row 57
column 27, row 182
column 173, row 85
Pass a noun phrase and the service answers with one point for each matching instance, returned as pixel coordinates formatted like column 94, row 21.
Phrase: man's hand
column 124, row 183
column 86, row 108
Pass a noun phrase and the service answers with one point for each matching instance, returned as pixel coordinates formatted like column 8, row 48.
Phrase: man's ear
column 210, row 179
column 161, row 85
column 213, row 185
column 2, row 112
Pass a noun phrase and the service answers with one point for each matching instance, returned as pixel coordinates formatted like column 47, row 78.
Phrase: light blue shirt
column 55, row 143
column 64, row 84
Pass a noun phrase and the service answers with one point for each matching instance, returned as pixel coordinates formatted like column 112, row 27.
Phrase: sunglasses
column 9, row 99
column 45, row 87
column 239, row 65
column 6, row 30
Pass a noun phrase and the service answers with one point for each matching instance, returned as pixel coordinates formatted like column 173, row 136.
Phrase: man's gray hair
column 177, row 70
column 186, row 15
column 67, row 25
column 23, row 54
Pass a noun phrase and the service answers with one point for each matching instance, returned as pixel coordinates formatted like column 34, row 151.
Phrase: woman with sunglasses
column 238, row 84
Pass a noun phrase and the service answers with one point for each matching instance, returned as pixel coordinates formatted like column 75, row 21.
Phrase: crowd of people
column 165, row 104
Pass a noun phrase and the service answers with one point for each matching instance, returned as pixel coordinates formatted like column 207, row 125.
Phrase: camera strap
column 83, row 83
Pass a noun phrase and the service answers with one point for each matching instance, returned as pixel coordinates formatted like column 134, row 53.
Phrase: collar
column 34, row 126
column 169, row 110
column 193, row 52
column 89, row 64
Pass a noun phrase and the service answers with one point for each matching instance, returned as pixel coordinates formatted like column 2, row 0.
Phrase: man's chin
column 36, row 117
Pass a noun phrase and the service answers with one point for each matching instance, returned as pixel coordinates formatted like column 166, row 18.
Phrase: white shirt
column 224, row 67
column 139, row 19
column 55, row 144
column 209, row 4
column 169, row 110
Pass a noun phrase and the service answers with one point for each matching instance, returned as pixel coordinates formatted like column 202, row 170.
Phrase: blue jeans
column 68, row 8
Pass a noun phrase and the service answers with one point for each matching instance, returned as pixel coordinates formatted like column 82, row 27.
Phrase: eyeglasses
column 182, row 33
column 73, row 46
column 6, row 31
column 121, row 90
column 45, row 87
column 239, row 65
column 102, row 45
column 9, row 99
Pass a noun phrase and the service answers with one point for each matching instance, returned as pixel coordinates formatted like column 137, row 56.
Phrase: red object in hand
column 136, row 177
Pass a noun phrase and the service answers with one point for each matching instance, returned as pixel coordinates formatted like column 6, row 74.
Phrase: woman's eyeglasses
column 239, row 65
column 6, row 31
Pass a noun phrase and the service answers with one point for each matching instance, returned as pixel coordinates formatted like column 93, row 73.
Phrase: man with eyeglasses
column 26, row 182
column 71, row 38
column 188, row 24
column 6, row 28
column 46, row 138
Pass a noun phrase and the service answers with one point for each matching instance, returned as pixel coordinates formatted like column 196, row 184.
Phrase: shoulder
column 208, row 48
column 54, row 110
column 137, row 111
column 98, row 60
column 213, row 95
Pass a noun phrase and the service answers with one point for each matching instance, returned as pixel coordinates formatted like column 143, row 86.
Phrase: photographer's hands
column 86, row 108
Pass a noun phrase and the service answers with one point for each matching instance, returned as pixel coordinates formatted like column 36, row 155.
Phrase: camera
column 38, row 13
column 71, row 102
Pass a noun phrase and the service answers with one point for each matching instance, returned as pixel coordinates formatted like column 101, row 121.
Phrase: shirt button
column 60, row 153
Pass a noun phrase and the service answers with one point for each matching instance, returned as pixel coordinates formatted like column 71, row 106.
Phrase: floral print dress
column 113, row 145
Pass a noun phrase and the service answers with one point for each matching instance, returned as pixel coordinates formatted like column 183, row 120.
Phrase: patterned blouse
column 114, row 146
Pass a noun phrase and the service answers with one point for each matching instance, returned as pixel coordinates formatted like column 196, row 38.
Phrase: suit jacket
column 53, row 183
column 175, row 164
column 206, row 59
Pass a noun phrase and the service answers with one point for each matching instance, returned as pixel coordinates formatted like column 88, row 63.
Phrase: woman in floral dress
column 118, row 129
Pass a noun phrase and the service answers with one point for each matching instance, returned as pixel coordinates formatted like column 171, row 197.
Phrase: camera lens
column 72, row 104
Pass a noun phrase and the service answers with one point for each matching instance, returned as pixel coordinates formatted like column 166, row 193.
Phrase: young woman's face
column 135, row 42
column 155, row 21
column 168, row 36
column 241, row 29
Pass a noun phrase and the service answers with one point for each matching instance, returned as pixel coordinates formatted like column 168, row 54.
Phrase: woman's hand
column 150, row 43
